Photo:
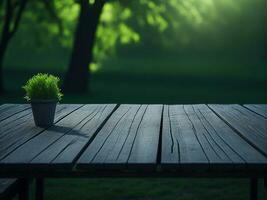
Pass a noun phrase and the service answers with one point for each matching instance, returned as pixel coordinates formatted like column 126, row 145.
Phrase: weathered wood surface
column 62, row 142
column 7, row 110
column 151, row 137
column 14, row 134
column 194, row 135
column 259, row 109
column 130, row 136
column 249, row 125
column 71, row 143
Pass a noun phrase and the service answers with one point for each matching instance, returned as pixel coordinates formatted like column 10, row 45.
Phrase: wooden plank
column 130, row 136
column 120, row 120
column 193, row 137
column 119, row 146
column 145, row 146
column 14, row 122
column 236, row 148
column 61, row 136
column 258, row 108
column 249, row 125
column 4, row 107
column 13, row 128
column 14, row 137
column 180, row 144
column 208, row 140
column 12, row 109
column 69, row 146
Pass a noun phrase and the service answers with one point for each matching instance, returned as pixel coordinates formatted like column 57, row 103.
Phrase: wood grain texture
column 7, row 110
column 6, row 106
column 15, row 121
column 249, row 125
column 235, row 147
column 12, row 137
column 129, row 138
column 260, row 109
column 180, row 143
column 183, row 138
column 68, row 146
column 193, row 136
column 63, row 134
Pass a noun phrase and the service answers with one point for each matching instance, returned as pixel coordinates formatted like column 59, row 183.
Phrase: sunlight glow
column 94, row 67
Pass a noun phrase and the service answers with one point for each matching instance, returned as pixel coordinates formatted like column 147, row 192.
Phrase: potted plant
column 43, row 93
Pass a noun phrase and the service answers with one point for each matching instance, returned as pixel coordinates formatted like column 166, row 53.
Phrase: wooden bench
column 8, row 188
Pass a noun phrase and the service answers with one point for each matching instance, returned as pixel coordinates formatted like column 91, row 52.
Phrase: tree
column 78, row 73
column 12, row 15
column 76, row 80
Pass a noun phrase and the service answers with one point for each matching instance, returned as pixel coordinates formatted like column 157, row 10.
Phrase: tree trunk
column 3, row 47
column 8, row 31
column 5, row 39
column 77, row 76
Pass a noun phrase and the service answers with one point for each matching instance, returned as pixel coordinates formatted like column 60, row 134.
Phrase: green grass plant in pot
column 43, row 93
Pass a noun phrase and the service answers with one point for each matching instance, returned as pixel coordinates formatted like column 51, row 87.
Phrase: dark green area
column 161, row 80
column 151, row 189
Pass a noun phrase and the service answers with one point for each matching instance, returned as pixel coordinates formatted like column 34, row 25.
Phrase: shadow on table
column 68, row 131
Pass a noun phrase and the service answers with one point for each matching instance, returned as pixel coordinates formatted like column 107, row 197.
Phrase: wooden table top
column 182, row 139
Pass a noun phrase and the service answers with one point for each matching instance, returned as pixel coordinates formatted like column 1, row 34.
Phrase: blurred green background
column 147, row 51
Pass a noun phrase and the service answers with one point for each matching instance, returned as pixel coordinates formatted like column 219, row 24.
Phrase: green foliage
column 141, row 27
column 42, row 87
column 113, row 30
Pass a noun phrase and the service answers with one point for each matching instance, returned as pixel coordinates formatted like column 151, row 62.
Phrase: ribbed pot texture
column 44, row 112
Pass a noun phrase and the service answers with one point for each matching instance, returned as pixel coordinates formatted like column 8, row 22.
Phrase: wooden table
column 135, row 141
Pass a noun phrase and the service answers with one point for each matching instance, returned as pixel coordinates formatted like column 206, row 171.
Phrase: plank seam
column 14, row 143
column 15, row 113
column 21, row 123
column 253, row 111
column 136, row 132
column 6, row 108
column 8, row 130
column 215, row 131
column 74, row 162
column 129, row 131
column 158, row 161
column 110, row 133
column 211, row 139
column 238, row 133
column 85, row 120
column 212, row 136
column 117, row 139
column 21, row 117
column 44, row 129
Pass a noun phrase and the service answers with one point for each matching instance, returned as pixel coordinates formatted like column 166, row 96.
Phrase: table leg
column 253, row 189
column 24, row 188
column 39, row 190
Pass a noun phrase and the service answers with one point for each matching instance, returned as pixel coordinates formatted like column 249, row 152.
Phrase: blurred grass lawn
column 157, row 80
column 151, row 189
column 153, row 80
